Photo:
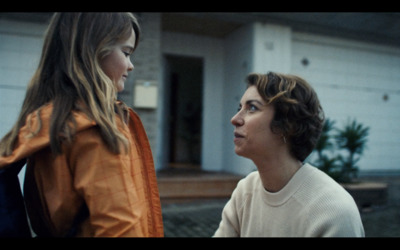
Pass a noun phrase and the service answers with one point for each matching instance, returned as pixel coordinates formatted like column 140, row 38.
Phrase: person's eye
column 252, row 108
column 126, row 53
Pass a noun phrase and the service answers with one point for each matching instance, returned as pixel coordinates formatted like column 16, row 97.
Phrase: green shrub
column 351, row 140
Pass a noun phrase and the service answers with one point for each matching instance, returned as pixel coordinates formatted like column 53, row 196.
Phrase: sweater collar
column 282, row 196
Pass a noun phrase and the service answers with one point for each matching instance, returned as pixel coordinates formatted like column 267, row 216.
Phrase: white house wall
column 353, row 80
column 211, row 50
column 239, row 62
column 271, row 48
column 20, row 47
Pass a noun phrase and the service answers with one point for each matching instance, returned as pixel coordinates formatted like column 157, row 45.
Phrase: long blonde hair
column 69, row 75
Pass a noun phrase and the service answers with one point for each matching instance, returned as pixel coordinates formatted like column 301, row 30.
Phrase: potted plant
column 324, row 149
column 351, row 140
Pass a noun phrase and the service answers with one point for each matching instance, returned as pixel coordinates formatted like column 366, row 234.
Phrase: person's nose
column 130, row 66
column 237, row 120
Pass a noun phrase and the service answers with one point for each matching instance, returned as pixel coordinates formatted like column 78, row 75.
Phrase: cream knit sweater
column 311, row 205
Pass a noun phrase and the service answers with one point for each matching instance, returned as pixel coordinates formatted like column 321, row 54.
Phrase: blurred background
column 189, row 77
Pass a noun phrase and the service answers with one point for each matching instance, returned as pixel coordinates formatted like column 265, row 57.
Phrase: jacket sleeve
column 107, row 182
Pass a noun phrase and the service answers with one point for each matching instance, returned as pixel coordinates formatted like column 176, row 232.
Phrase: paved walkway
column 192, row 219
column 201, row 218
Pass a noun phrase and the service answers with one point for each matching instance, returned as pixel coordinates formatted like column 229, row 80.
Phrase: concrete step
column 368, row 194
column 195, row 184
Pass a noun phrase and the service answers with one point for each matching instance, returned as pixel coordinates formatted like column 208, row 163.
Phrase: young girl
column 85, row 150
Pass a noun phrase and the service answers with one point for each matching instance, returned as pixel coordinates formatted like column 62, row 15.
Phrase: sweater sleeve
column 335, row 221
column 230, row 225
column 332, row 211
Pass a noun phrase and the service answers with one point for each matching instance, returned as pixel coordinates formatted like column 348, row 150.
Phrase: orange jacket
column 120, row 190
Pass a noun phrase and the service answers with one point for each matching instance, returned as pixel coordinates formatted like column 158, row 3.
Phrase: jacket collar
column 28, row 144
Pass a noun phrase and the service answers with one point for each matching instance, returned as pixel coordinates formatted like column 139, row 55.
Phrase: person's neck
column 276, row 172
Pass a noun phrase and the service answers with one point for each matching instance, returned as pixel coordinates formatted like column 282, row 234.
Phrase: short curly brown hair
column 299, row 116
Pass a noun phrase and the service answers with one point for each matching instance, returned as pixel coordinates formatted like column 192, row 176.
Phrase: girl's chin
column 120, row 87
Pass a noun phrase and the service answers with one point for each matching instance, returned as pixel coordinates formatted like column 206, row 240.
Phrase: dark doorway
column 185, row 78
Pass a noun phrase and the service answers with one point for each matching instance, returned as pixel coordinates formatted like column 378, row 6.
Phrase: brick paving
column 200, row 218
column 384, row 221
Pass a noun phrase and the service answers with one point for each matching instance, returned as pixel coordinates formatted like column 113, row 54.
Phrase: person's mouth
column 237, row 136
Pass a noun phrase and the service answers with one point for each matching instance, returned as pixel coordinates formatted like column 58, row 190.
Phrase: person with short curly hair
column 277, row 126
